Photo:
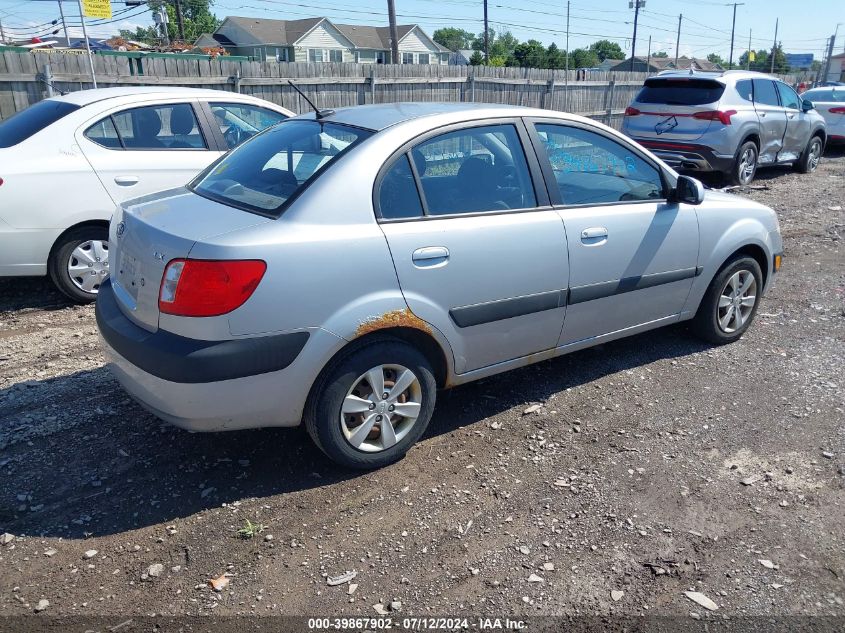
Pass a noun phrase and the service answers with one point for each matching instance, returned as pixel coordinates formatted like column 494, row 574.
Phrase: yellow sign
column 96, row 8
column 752, row 56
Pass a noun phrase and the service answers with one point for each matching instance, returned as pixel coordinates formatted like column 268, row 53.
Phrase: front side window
column 788, row 97
column 765, row 92
column 590, row 168
column 474, row 169
column 35, row 118
column 172, row 126
column 240, row 121
column 262, row 174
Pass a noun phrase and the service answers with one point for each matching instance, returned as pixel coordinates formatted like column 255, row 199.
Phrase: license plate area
column 129, row 274
column 666, row 125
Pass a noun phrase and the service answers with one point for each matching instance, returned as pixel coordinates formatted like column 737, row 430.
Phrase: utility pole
column 177, row 4
column 748, row 55
column 678, row 41
column 566, row 73
column 394, row 37
column 87, row 44
column 64, row 24
column 774, row 47
column 829, row 55
column 486, row 36
column 635, row 4
column 2, row 34
column 648, row 58
column 733, row 28
column 567, row 37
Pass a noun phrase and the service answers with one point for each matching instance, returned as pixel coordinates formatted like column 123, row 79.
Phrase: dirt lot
column 621, row 492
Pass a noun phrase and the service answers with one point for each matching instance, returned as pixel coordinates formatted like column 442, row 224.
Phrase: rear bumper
column 688, row 156
column 211, row 385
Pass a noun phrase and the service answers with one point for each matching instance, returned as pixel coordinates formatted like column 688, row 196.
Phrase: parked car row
column 339, row 268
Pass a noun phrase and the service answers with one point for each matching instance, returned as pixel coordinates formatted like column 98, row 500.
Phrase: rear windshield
column 680, row 91
column 35, row 118
column 272, row 168
column 828, row 96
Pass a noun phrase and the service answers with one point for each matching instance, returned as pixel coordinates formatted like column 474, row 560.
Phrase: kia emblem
column 121, row 229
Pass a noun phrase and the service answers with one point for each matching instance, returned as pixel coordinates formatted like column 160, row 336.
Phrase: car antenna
column 318, row 114
column 44, row 81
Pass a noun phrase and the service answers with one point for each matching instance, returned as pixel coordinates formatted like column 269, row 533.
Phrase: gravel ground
column 652, row 466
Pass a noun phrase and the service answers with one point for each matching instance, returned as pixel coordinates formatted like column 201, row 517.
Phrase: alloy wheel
column 815, row 154
column 747, row 165
column 88, row 265
column 380, row 408
column 736, row 301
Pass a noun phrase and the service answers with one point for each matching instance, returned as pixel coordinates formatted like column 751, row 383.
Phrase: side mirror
column 806, row 105
column 689, row 191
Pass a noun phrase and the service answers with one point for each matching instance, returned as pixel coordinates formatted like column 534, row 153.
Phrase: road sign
column 96, row 8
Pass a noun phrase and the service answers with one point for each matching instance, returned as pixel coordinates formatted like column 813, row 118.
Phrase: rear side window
column 104, row 133
column 398, row 195
column 745, row 89
column 765, row 92
column 680, row 91
column 35, row 118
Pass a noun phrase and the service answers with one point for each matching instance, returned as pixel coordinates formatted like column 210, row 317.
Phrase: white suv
column 65, row 163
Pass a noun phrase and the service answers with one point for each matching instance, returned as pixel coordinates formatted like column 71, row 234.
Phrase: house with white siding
column 321, row 40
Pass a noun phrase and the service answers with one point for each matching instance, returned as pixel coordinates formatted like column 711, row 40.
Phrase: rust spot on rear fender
column 394, row 318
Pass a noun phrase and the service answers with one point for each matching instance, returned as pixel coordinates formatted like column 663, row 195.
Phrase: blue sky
column 804, row 25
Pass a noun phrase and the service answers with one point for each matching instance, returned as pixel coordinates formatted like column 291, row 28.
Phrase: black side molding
column 477, row 314
column 186, row 360
column 580, row 294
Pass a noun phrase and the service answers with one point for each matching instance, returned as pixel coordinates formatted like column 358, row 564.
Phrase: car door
column 798, row 125
column 149, row 148
column 632, row 253
column 478, row 251
column 235, row 122
column 772, row 119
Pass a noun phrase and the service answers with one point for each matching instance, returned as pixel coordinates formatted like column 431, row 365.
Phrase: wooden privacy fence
column 29, row 77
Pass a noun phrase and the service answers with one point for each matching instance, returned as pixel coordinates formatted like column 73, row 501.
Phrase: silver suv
column 729, row 122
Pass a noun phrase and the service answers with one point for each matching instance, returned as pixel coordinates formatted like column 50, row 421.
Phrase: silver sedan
column 340, row 268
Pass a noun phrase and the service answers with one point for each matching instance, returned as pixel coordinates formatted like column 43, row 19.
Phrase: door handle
column 431, row 255
column 594, row 233
column 126, row 181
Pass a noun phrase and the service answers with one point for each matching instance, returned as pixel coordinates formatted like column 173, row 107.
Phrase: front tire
column 745, row 165
column 79, row 263
column 811, row 156
column 731, row 301
column 372, row 405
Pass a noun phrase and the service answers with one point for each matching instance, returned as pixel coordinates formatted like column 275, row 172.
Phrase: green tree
column 453, row 38
column 781, row 65
column 555, row 58
column 713, row 58
column 197, row 18
column 501, row 44
column 530, row 54
column 477, row 59
column 660, row 54
column 583, row 58
column 605, row 49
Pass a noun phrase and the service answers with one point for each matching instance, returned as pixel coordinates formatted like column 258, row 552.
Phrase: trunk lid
column 147, row 233
column 666, row 107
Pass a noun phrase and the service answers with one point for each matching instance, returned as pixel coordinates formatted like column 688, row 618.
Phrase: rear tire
column 79, row 262
column 745, row 164
column 726, row 312
column 810, row 157
column 343, row 402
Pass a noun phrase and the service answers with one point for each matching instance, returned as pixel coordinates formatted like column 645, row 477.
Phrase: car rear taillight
column 723, row 116
column 629, row 111
column 839, row 110
column 204, row 288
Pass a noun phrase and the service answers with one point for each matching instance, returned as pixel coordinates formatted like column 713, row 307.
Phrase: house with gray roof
column 321, row 40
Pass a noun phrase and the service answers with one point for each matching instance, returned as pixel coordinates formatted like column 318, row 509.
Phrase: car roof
column 381, row 116
column 724, row 75
column 87, row 97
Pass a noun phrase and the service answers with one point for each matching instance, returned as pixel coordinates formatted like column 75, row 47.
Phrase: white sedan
column 830, row 103
column 65, row 163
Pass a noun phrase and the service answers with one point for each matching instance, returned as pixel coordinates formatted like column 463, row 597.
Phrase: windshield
column 266, row 172
column 35, row 118
column 831, row 95
column 684, row 92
